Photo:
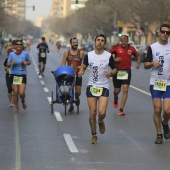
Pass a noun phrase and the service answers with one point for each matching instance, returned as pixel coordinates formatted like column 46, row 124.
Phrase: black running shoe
column 71, row 109
column 77, row 101
column 166, row 131
column 159, row 139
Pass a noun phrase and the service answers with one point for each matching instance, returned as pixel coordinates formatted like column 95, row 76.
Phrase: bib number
column 43, row 55
column 122, row 75
column 9, row 70
column 160, row 85
column 96, row 91
column 17, row 80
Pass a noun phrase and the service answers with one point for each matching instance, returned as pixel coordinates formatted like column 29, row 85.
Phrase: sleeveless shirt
column 74, row 60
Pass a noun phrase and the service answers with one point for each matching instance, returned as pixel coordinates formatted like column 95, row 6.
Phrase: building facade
column 15, row 8
column 63, row 8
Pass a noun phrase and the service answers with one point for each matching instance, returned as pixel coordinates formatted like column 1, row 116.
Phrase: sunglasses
column 163, row 32
column 19, row 44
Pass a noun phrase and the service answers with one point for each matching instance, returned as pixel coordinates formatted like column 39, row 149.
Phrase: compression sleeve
column 111, row 62
column 85, row 61
column 149, row 57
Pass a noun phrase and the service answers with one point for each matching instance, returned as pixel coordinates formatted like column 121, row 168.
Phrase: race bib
column 17, row 80
column 96, row 91
column 43, row 55
column 9, row 70
column 122, row 75
column 160, row 85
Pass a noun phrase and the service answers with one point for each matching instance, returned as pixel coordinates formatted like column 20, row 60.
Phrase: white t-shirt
column 160, row 53
column 99, row 65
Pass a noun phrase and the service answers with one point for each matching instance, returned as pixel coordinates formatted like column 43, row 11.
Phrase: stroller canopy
column 64, row 70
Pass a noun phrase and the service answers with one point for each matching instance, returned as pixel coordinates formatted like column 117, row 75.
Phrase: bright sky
column 42, row 8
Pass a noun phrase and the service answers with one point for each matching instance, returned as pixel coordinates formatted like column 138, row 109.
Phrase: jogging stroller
column 64, row 76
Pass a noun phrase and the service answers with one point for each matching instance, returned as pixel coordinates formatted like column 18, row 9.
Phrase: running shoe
column 115, row 105
column 93, row 140
column 159, row 139
column 16, row 110
column 71, row 109
column 166, row 131
column 115, row 102
column 24, row 106
column 101, row 126
column 77, row 101
column 121, row 113
column 11, row 105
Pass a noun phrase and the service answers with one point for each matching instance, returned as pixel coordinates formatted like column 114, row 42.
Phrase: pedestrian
column 122, row 56
column 97, row 90
column 58, row 45
column 74, row 57
column 42, row 55
column 8, row 74
column 158, row 60
column 18, row 61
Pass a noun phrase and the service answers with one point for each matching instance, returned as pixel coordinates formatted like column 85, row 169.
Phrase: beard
column 74, row 47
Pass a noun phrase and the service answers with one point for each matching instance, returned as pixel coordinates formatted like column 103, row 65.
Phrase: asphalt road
column 35, row 139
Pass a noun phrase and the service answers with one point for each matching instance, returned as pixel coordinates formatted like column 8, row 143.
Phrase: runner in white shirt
column 98, row 61
column 158, row 60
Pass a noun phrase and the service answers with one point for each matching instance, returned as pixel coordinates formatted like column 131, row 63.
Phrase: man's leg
column 117, row 89
column 157, row 104
column 42, row 72
column 166, row 116
column 39, row 67
column 92, row 103
column 124, row 96
column 102, row 106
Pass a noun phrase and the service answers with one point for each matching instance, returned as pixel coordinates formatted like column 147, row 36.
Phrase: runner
column 158, row 60
column 7, row 75
column 58, row 44
column 73, row 57
column 97, row 91
column 18, row 61
column 42, row 55
column 122, row 56
column 28, row 44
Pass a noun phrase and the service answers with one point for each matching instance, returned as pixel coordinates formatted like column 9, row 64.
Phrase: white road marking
column 46, row 89
column 58, row 116
column 140, row 90
column 49, row 99
column 70, row 143
column 42, row 82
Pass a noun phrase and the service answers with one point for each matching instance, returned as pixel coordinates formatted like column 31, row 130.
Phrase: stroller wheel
column 52, row 108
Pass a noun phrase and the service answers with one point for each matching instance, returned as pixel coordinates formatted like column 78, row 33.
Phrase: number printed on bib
column 122, row 75
column 17, row 80
column 96, row 91
column 160, row 85
column 43, row 55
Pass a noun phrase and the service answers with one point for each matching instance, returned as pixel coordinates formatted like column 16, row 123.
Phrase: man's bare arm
column 64, row 60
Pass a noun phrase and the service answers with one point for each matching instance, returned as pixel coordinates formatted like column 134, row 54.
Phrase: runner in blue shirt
column 18, row 61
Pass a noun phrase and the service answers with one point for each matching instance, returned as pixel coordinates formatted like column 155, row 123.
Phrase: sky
column 42, row 7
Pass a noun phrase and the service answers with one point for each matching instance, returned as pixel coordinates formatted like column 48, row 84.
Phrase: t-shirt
column 43, row 49
column 125, row 55
column 161, row 53
column 19, row 68
column 99, row 65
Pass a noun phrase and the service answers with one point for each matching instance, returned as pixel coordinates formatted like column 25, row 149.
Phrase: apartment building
column 15, row 8
column 63, row 8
